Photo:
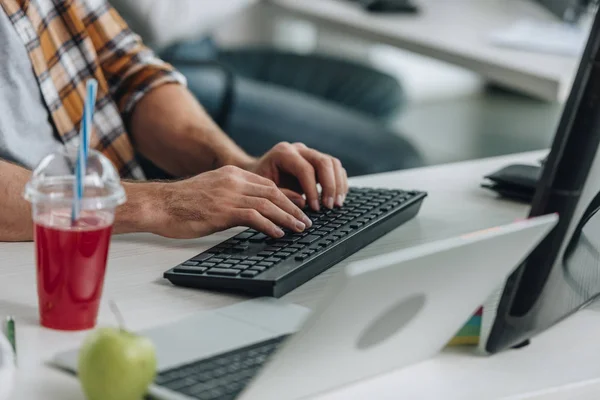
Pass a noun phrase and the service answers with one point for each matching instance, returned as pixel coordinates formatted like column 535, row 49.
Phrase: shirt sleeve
column 132, row 69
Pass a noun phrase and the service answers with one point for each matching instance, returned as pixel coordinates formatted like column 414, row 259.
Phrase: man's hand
column 221, row 199
column 296, row 169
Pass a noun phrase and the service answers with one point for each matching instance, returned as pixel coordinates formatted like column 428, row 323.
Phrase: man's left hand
column 297, row 169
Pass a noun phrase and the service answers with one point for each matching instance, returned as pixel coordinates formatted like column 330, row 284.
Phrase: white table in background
column 562, row 363
column 455, row 31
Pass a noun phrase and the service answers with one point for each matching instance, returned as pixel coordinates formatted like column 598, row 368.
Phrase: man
column 49, row 48
column 261, row 95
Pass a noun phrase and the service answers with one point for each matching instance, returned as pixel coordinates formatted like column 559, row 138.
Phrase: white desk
column 564, row 356
column 455, row 31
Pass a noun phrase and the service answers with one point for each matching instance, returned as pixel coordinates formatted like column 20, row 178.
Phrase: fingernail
column 315, row 205
column 307, row 221
column 300, row 226
column 279, row 233
column 340, row 200
column 329, row 202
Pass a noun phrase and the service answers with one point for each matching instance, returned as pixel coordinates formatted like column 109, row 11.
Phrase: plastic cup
column 71, row 257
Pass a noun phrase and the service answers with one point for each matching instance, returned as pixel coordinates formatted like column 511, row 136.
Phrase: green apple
column 116, row 365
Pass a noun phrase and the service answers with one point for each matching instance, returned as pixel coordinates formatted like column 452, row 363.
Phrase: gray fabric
column 26, row 133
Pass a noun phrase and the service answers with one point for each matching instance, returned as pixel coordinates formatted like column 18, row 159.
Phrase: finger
column 295, row 197
column 323, row 165
column 274, row 214
column 340, row 182
column 276, row 196
column 347, row 184
column 255, row 220
column 296, row 165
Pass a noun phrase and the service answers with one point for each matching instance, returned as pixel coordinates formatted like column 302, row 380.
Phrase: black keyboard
column 256, row 264
column 222, row 377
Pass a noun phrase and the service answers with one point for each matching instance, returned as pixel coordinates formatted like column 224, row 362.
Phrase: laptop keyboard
column 222, row 377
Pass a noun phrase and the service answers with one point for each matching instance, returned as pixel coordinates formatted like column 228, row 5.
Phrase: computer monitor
column 562, row 274
column 567, row 10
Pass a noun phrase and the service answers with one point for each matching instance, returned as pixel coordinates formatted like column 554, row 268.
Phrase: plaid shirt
column 70, row 41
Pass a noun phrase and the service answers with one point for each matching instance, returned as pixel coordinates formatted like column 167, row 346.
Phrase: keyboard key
column 208, row 264
column 289, row 239
column 240, row 248
column 223, row 271
column 272, row 248
column 273, row 260
column 265, row 254
column 335, row 237
column 256, row 258
column 283, row 254
column 322, row 244
column 309, row 239
column 191, row 270
column 291, row 250
column 238, row 257
column 356, row 225
column 321, row 232
column 203, row 256
column 191, row 263
column 248, row 262
column 249, row 274
column 217, row 260
column 244, row 235
column 297, row 246
column 301, row 257
column 258, row 268
column 259, row 237
column 265, row 264
column 224, row 265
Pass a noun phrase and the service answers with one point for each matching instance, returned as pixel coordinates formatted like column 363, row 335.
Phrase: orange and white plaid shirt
column 70, row 41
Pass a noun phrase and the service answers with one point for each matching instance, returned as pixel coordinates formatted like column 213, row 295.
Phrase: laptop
column 377, row 315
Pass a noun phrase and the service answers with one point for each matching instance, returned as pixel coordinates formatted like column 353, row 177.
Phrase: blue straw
column 84, row 144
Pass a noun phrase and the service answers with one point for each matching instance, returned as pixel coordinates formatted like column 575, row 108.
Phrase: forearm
column 172, row 130
column 15, row 212
column 16, row 224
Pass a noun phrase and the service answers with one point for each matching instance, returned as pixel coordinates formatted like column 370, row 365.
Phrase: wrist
column 139, row 213
column 238, row 159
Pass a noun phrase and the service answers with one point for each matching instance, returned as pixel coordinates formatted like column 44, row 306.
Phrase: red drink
column 71, row 262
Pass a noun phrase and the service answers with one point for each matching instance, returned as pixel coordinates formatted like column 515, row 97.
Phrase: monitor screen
column 562, row 274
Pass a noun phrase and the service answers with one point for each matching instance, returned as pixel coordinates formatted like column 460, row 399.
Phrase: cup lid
column 53, row 181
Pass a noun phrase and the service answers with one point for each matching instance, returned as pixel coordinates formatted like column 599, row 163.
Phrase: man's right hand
column 221, row 199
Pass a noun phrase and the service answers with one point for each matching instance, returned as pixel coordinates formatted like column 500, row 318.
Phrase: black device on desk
column 253, row 263
column 388, row 6
column 562, row 274
column 516, row 182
